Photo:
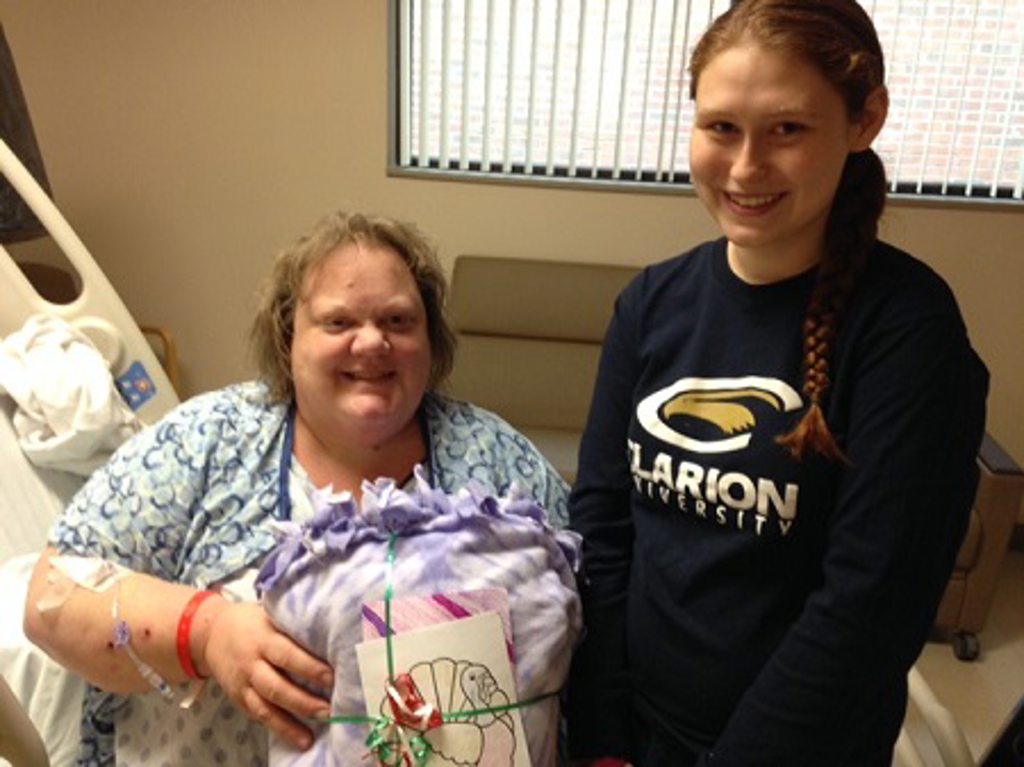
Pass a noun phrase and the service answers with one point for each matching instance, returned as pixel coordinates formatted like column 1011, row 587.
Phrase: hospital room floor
column 982, row 693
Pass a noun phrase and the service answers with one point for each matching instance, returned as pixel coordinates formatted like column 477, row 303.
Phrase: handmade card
column 462, row 669
column 414, row 612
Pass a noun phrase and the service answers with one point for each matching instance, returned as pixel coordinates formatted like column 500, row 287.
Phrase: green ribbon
column 392, row 543
column 387, row 737
column 452, row 716
column 387, row 741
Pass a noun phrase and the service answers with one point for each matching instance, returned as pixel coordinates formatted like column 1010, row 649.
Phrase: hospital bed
column 39, row 701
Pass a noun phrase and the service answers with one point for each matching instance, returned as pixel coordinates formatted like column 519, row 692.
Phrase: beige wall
column 186, row 141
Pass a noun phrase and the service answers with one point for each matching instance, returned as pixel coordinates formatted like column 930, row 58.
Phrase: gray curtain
column 17, row 222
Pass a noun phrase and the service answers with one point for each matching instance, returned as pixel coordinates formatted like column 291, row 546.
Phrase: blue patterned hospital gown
column 191, row 499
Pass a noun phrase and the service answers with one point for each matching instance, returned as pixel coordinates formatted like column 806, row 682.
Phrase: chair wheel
column 966, row 646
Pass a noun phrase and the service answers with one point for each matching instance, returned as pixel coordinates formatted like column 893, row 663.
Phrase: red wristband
column 185, row 633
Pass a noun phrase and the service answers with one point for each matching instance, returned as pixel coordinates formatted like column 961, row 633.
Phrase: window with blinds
column 597, row 91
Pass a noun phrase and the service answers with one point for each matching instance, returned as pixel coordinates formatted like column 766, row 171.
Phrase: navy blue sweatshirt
column 743, row 607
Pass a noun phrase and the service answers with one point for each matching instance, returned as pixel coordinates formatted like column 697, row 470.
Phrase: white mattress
column 30, row 499
column 51, row 696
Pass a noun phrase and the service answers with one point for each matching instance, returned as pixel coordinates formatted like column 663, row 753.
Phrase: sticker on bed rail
column 136, row 386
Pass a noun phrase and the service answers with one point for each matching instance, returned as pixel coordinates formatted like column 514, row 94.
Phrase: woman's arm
column 599, row 708
column 146, row 511
column 79, row 632
column 234, row 643
column 837, row 681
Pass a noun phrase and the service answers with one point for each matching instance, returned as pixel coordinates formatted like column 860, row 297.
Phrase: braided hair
column 838, row 38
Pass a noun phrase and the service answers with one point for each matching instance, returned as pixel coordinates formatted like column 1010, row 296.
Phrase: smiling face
column 360, row 354
column 771, row 136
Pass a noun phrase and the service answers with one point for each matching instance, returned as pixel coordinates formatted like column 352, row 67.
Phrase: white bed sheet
column 30, row 499
column 50, row 695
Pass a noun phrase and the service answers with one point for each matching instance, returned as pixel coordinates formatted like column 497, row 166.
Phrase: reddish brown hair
column 837, row 38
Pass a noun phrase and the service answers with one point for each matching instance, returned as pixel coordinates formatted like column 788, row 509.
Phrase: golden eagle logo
column 724, row 403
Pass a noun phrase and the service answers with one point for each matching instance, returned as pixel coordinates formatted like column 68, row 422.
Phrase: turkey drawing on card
column 461, row 668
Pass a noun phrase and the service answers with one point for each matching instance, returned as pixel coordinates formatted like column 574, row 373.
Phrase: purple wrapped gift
column 315, row 583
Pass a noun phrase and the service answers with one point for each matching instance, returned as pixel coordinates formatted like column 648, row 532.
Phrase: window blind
column 956, row 123
column 598, row 90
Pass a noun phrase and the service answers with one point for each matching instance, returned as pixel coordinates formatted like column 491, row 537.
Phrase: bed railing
column 98, row 311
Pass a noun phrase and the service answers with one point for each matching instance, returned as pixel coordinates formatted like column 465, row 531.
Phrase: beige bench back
column 530, row 334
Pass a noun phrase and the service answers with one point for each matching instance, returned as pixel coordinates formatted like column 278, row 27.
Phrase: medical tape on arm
column 67, row 572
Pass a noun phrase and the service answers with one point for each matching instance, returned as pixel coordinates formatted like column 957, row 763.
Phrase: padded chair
column 965, row 605
column 530, row 335
column 20, row 743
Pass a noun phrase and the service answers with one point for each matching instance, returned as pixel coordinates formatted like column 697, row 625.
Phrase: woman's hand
column 256, row 664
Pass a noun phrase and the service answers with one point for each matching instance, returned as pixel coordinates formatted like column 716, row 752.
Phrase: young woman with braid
column 780, row 457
